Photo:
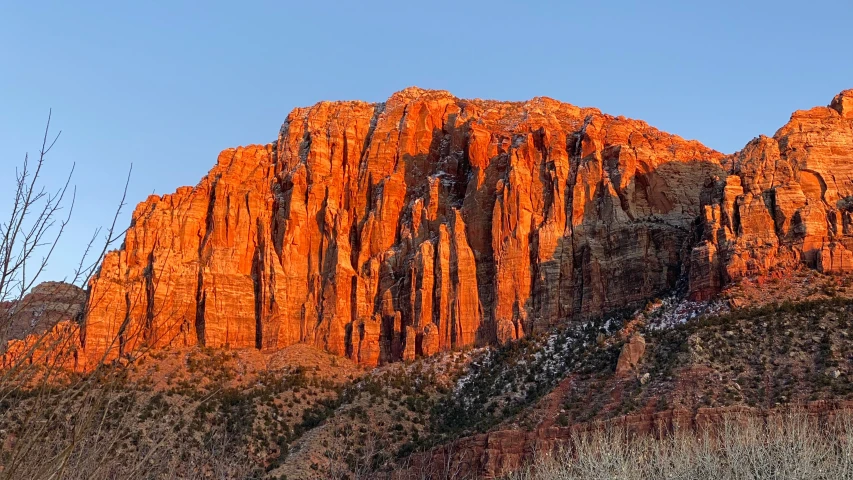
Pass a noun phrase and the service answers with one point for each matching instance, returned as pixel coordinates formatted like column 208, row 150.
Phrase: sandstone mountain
column 388, row 231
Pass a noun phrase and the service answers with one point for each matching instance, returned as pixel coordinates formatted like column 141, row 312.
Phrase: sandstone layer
column 39, row 310
column 500, row 452
column 393, row 230
column 43, row 324
column 786, row 200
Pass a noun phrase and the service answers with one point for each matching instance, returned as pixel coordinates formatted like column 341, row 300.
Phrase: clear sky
column 166, row 85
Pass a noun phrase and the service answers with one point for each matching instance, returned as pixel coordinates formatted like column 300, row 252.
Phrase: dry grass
column 784, row 447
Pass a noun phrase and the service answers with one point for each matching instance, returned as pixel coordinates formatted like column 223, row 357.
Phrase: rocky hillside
column 497, row 276
column 389, row 231
column 42, row 326
column 515, row 403
column 36, row 312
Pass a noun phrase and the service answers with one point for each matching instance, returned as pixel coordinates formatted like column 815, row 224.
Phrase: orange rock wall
column 787, row 200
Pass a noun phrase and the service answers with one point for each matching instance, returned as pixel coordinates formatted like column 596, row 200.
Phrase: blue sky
column 166, row 85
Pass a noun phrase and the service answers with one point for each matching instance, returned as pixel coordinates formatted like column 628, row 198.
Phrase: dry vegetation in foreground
column 196, row 414
column 789, row 447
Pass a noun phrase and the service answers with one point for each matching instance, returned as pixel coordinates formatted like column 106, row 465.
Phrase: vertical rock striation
column 786, row 201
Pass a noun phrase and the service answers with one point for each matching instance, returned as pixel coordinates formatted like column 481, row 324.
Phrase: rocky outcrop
column 784, row 201
column 631, row 354
column 392, row 230
column 43, row 307
column 43, row 325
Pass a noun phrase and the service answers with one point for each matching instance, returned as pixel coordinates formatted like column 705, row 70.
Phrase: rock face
column 52, row 308
column 193, row 268
column 387, row 231
column 631, row 355
column 43, row 307
column 785, row 200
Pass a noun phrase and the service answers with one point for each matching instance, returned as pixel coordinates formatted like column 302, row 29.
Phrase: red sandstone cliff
column 786, row 200
column 383, row 231
column 386, row 231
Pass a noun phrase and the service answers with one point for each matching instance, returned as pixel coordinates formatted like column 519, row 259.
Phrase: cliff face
column 392, row 230
column 787, row 200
